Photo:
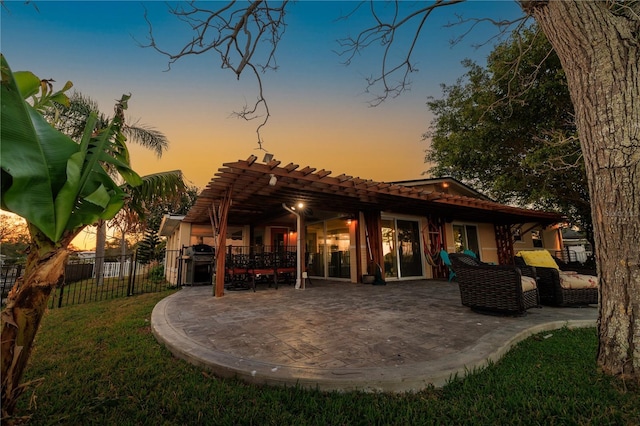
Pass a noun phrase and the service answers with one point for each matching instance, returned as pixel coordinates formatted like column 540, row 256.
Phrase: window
column 537, row 239
column 465, row 237
column 517, row 234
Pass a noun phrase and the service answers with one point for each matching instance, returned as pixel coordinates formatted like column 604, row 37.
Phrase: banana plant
column 59, row 187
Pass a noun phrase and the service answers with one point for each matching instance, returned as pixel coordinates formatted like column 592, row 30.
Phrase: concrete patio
column 404, row 336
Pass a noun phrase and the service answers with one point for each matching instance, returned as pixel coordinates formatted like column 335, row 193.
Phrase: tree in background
column 59, row 187
column 509, row 130
column 151, row 247
column 598, row 45
column 14, row 238
column 157, row 188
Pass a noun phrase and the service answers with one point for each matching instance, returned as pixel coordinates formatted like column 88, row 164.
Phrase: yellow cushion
column 528, row 283
column 540, row 258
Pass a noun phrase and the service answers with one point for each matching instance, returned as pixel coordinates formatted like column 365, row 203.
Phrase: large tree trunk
column 600, row 53
column 25, row 307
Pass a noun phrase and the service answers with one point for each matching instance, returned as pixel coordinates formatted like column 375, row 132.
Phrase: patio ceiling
column 254, row 200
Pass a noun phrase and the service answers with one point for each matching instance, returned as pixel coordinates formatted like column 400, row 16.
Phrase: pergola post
column 302, row 254
column 504, row 243
column 220, row 249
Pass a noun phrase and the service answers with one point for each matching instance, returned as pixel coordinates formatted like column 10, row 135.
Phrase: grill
column 199, row 260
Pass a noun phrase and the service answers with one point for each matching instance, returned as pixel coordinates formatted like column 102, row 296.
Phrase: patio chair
column 558, row 287
column 445, row 259
column 470, row 253
column 499, row 289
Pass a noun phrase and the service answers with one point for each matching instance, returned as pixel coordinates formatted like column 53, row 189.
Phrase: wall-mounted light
column 273, row 180
column 267, row 157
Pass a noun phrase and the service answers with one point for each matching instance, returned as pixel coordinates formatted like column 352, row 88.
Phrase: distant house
column 89, row 254
column 576, row 246
column 347, row 227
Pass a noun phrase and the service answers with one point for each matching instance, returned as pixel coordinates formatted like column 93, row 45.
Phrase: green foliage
column 150, row 248
column 176, row 205
column 103, row 366
column 14, row 238
column 71, row 118
column 508, row 129
column 157, row 188
column 56, row 184
column 156, row 274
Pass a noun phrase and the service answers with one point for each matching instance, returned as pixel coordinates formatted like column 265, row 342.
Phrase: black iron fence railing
column 9, row 273
column 94, row 279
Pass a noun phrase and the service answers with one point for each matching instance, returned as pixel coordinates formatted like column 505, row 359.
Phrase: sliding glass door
column 401, row 248
column 327, row 248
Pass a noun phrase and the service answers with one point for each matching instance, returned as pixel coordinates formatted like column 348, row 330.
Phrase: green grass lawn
column 101, row 365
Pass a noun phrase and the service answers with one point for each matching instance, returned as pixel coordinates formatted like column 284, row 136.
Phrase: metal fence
column 8, row 275
column 84, row 283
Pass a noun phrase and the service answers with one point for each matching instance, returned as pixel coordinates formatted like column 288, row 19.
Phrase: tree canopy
column 509, row 129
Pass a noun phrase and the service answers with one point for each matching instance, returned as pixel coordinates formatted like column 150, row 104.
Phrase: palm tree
column 70, row 120
column 163, row 187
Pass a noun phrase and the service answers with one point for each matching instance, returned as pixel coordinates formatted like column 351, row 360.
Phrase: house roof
column 444, row 182
column 169, row 224
column 255, row 200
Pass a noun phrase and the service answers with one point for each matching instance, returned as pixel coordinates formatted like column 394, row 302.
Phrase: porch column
column 302, row 255
column 220, row 249
column 504, row 243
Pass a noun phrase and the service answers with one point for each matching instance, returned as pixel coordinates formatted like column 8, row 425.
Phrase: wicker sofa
column 552, row 292
column 494, row 288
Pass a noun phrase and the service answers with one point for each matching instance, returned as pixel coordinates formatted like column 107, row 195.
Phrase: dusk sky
column 319, row 109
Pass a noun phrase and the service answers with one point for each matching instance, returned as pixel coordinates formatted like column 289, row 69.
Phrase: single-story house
column 344, row 227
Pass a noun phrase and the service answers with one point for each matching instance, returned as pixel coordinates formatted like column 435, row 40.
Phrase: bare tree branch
column 235, row 34
column 393, row 78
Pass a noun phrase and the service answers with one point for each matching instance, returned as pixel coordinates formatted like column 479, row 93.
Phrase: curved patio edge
column 405, row 378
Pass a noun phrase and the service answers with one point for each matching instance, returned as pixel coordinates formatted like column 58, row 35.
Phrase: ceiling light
column 273, row 180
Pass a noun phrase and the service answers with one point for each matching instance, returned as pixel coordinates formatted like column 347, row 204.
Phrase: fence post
column 60, row 295
column 132, row 274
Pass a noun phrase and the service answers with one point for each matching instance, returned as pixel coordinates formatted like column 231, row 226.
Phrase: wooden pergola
column 249, row 192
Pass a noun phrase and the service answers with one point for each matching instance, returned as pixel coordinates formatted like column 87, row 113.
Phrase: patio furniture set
column 534, row 279
column 244, row 270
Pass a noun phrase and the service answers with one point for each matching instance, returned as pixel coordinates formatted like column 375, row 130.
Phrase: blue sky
column 320, row 113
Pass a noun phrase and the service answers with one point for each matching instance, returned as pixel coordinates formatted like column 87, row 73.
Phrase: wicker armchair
column 493, row 288
column 552, row 293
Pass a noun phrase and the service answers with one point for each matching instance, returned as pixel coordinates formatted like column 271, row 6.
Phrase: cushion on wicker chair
column 539, row 258
column 528, row 283
column 577, row 281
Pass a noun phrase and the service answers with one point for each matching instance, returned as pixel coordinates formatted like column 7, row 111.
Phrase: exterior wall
column 185, row 235
column 486, row 240
column 175, row 242
column 488, row 246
